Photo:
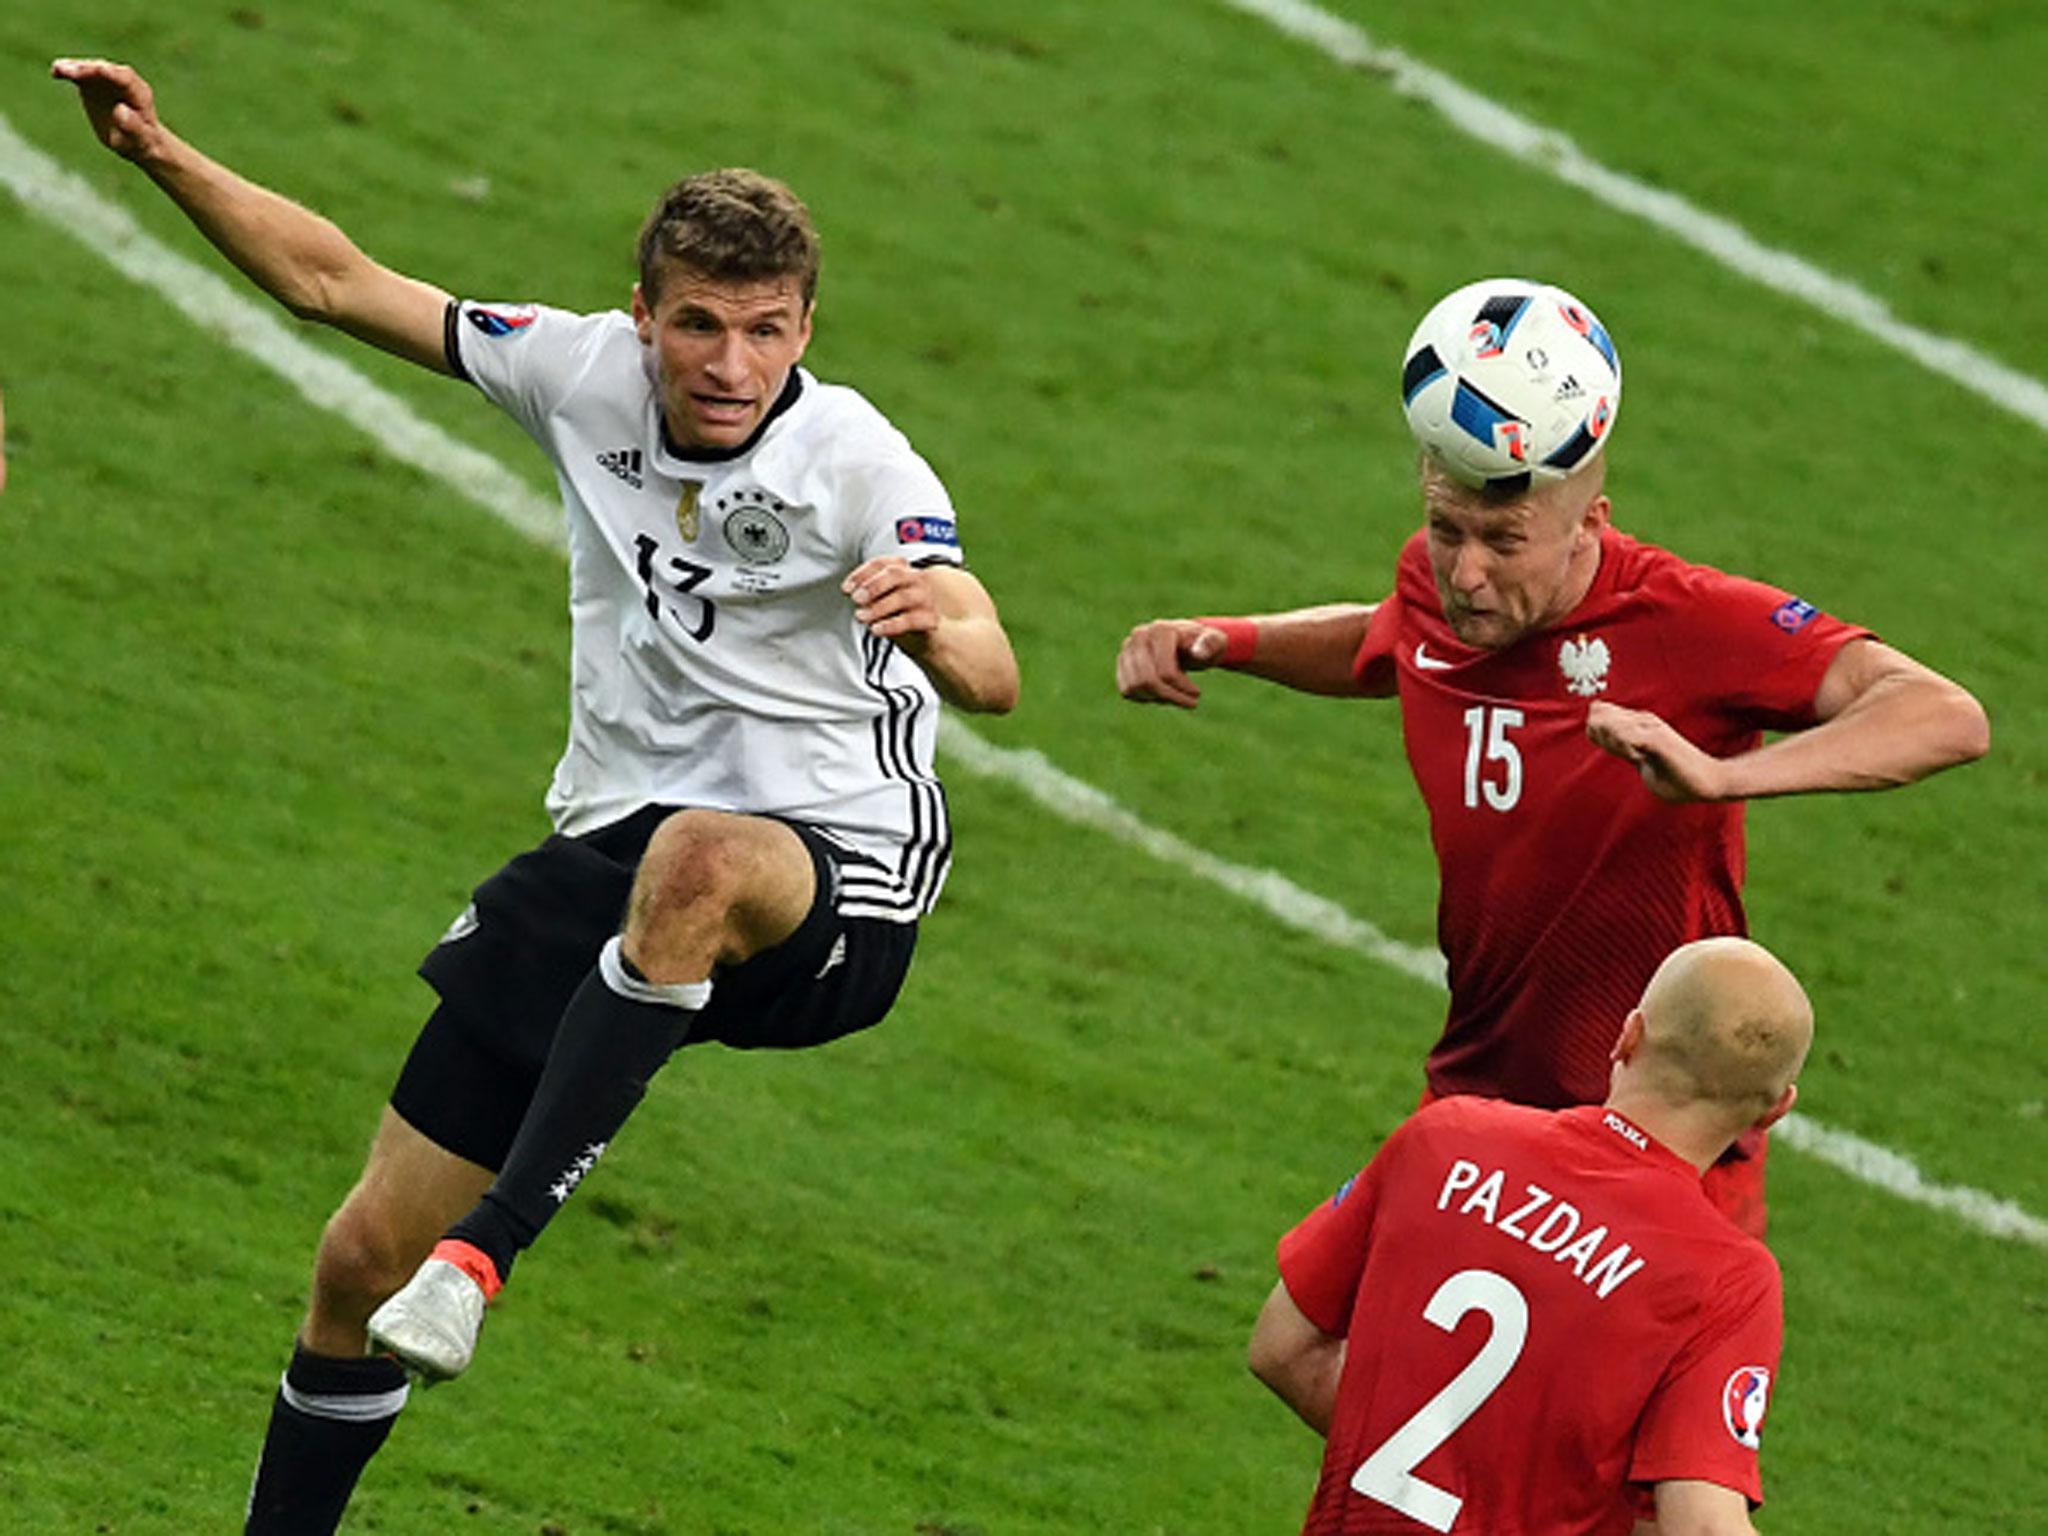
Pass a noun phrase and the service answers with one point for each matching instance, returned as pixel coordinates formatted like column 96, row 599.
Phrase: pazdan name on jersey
column 1556, row 1232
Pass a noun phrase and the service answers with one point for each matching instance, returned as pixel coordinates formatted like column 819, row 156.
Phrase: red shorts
column 1735, row 1184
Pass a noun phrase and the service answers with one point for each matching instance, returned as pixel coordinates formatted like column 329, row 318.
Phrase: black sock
column 327, row 1421
column 616, row 1032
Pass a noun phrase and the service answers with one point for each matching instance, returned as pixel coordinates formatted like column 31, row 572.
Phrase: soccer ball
column 1510, row 383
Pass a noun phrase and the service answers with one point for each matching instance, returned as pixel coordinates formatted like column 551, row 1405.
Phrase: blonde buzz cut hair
column 1725, row 1023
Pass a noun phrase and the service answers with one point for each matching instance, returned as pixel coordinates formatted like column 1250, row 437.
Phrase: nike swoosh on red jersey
column 1427, row 662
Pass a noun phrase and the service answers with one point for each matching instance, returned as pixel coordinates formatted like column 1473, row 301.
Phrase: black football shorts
column 507, row 967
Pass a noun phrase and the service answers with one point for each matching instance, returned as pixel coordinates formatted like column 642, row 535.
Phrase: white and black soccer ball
column 1509, row 383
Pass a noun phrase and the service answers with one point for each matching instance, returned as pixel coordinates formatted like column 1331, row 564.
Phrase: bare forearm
column 1687, row 1507
column 943, row 619
column 1306, row 1381
column 1297, row 1360
column 1903, row 729
column 290, row 252
column 970, row 663
column 1310, row 649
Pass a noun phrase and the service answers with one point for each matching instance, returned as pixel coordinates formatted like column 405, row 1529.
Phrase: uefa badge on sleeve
column 1743, row 1402
column 927, row 530
column 1794, row 614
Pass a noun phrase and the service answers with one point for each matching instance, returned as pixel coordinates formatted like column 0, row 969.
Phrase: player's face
column 1505, row 570
column 723, row 350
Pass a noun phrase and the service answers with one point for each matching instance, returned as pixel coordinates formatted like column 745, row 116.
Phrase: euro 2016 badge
column 502, row 321
column 1743, row 1402
column 1794, row 614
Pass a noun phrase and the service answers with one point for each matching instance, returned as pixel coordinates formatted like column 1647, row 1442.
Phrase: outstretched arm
column 944, row 620
column 1310, row 649
column 1300, row 1362
column 1884, row 720
column 291, row 253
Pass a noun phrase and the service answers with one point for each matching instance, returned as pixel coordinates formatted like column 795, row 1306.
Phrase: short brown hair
column 734, row 226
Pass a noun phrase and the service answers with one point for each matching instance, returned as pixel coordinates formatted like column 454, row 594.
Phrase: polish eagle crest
column 1584, row 665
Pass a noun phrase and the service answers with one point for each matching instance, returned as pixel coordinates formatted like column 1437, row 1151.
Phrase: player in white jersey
column 693, row 569
column 768, row 602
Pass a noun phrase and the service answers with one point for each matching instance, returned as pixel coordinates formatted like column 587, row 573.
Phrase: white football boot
column 431, row 1323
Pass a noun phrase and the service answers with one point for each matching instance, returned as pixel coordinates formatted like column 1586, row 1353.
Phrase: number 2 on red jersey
column 1388, row 1474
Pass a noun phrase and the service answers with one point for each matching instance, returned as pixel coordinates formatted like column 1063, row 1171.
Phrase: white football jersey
column 715, row 661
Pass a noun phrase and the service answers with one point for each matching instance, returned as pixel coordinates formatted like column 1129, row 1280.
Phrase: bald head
column 1725, row 1026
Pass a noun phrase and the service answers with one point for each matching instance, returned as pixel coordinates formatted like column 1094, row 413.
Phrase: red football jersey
column 1565, row 882
column 1543, row 1315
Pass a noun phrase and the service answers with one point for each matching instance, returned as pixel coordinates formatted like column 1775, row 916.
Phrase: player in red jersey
column 1584, row 715
column 1519, row 1321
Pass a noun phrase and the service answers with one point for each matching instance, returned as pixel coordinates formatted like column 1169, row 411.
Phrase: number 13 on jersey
column 1493, row 763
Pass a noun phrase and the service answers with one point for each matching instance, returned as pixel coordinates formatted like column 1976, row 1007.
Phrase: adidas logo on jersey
column 623, row 462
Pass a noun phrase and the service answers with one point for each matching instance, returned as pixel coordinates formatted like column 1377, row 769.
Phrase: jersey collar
column 668, row 448
column 1618, row 1130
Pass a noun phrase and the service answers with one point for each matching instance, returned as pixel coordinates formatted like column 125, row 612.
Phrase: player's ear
column 643, row 317
column 1593, row 519
column 1781, row 1108
column 1630, row 1040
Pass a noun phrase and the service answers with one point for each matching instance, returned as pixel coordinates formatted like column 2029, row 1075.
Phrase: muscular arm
column 1299, row 1361
column 1310, row 649
column 1884, row 720
column 1689, row 1508
column 945, row 621
column 291, row 253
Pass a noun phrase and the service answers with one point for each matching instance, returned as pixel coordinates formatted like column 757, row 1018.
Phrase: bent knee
column 716, row 888
column 704, row 859
column 364, row 1257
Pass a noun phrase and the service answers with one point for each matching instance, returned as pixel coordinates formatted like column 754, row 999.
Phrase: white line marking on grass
column 1724, row 240
column 1901, row 1176
column 69, row 202
column 1087, row 806
column 48, row 190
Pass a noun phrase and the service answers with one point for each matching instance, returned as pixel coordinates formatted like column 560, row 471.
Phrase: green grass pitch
column 1135, row 276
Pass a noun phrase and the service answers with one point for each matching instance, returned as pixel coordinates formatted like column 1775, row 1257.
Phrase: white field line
column 1722, row 239
column 1087, row 806
column 66, row 201
column 207, row 299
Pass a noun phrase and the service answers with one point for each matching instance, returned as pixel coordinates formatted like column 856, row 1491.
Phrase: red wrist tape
column 1240, row 640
